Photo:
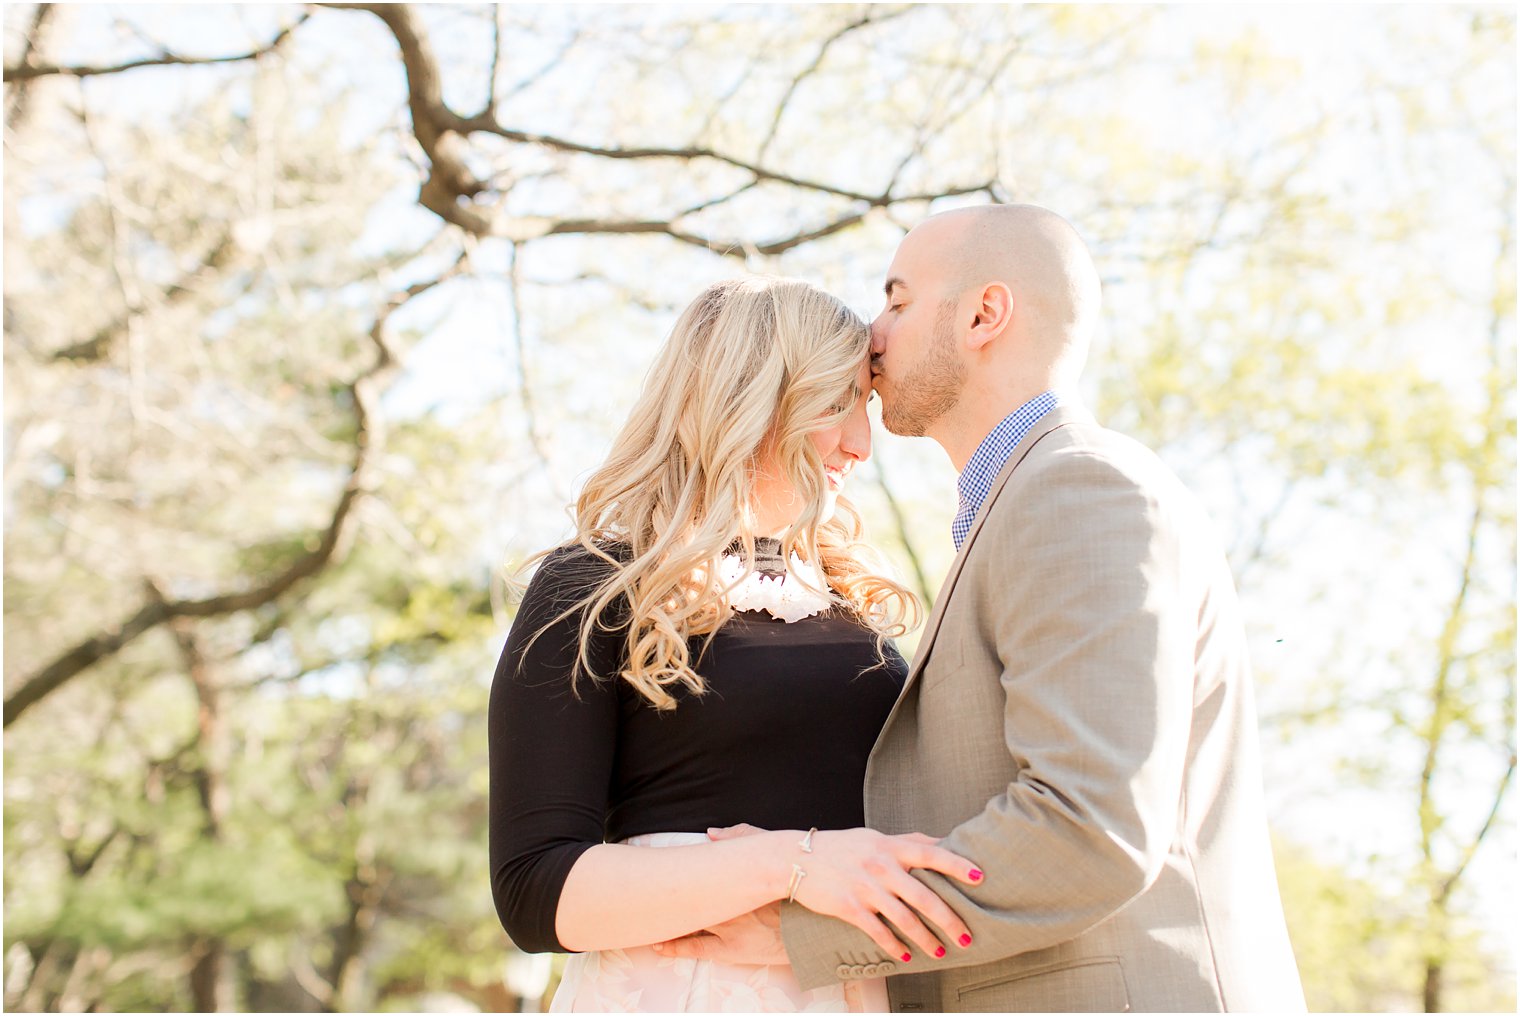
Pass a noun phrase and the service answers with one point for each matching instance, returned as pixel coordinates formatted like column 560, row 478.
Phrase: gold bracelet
column 797, row 876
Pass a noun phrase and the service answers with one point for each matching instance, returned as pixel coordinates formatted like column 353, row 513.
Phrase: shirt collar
column 975, row 481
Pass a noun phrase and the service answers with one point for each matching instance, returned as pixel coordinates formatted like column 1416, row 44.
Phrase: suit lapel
column 1058, row 417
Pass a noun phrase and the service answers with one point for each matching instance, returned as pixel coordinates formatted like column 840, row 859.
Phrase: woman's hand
column 861, row 876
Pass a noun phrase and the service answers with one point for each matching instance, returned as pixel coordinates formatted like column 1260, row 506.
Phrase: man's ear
column 994, row 312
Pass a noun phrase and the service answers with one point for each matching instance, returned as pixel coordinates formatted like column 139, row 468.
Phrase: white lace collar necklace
column 766, row 588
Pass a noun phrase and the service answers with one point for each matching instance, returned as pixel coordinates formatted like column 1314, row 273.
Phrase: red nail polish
column 965, row 940
column 976, row 875
column 907, row 957
column 939, row 953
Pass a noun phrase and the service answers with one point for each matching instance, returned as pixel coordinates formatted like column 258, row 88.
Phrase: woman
column 710, row 650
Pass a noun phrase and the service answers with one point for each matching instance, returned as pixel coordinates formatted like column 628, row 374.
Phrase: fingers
column 906, row 921
column 877, row 930
column 920, row 851
column 690, row 947
column 914, row 854
column 925, row 901
column 733, row 832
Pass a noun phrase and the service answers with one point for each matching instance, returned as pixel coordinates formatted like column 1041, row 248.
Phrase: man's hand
column 752, row 939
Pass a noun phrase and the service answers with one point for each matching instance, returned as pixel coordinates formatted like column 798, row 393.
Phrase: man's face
column 916, row 364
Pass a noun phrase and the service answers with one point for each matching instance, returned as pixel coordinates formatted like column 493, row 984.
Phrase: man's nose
column 878, row 338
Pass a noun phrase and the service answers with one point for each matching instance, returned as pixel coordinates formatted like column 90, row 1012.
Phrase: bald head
column 986, row 308
column 1038, row 256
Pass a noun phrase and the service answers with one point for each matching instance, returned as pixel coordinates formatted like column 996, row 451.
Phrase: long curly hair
column 753, row 365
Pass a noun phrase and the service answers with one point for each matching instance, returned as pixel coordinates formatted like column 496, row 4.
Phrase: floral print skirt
column 641, row 980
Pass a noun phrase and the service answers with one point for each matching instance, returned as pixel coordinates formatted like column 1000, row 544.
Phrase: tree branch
column 434, row 124
column 98, row 346
column 27, row 71
column 900, row 519
column 868, row 18
column 481, row 125
column 1450, row 882
column 530, row 411
column 493, row 84
column 16, row 106
column 368, row 439
column 727, row 248
column 447, row 192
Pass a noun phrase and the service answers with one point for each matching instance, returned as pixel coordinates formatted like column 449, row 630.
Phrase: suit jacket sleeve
column 1077, row 574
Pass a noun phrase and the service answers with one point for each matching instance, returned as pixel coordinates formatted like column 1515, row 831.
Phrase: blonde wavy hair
column 753, row 366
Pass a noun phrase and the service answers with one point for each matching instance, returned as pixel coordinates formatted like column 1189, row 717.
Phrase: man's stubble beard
column 931, row 387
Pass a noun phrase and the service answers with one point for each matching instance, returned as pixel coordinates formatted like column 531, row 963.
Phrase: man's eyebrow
column 890, row 283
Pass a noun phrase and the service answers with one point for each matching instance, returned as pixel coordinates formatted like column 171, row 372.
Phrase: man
column 1079, row 719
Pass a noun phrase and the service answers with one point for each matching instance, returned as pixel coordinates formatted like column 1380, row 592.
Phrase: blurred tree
column 1359, row 945
column 1470, row 694
column 367, row 288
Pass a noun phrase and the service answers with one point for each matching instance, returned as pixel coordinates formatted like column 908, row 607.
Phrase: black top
column 779, row 740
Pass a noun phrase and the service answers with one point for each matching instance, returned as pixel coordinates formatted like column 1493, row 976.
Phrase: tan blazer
column 1079, row 723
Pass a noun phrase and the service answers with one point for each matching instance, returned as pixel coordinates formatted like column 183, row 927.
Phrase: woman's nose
column 856, row 440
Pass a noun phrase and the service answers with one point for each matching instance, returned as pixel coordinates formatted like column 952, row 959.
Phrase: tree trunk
column 210, row 980
column 1433, row 970
column 211, row 983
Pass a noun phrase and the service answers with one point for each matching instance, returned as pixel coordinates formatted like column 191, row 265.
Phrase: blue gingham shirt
column 991, row 456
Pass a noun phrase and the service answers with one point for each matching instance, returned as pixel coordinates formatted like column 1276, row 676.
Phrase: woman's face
column 841, row 447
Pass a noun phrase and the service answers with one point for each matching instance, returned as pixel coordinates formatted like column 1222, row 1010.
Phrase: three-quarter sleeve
column 551, row 748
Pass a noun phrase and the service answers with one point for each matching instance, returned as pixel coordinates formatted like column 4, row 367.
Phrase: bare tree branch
column 866, row 19
column 538, row 75
column 1487, row 460
column 731, row 248
column 900, row 521
column 98, row 346
column 693, row 153
column 530, row 411
column 1243, row 562
column 493, row 83
column 435, row 125
column 701, row 206
column 27, row 71
column 1451, row 880
column 451, row 185
column 16, row 107
column 368, row 440
column 727, row 248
